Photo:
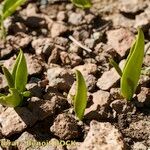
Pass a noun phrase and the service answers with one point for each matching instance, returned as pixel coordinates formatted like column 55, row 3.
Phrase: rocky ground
column 49, row 33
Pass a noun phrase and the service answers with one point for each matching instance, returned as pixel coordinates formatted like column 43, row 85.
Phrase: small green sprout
column 132, row 69
column 80, row 97
column 82, row 3
column 17, row 81
column 7, row 8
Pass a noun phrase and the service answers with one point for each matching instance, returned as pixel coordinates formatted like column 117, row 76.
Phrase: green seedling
column 80, row 97
column 17, row 81
column 132, row 69
column 7, row 8
column 82, row 3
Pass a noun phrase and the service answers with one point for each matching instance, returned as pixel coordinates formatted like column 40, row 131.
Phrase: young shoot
column 82, row 3
column 133, row 66
column 7, row 8
column 17, row 81
column 80, row 97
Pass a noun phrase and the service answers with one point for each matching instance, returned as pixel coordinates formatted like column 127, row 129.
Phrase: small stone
column 43, row 46
column 61, row 41
column 3, row 82
column 9, row 63
column 147, row 60
column 120, row 39
column 75, row 18
column 20, row 40
column 132, row 7
column 31, row 9
column 95, row 110
column 101, row 98
column 34, row 88
column 139, row 146
column 61, row 16
column 89, row 18
column 108, row 79
column 54, row 56
column 120, row 20
column 34, row 64
column 102, row 136
column 14, row 121
column 75, row 59
column 90, row 82
column 116, row 93
column 144, row 80
column 65, row 127
column 143, row 19
column 86, row 69
column 74, row 48
column 57, row 29
column 123, row 107
column 25, row 141
column 60, row 78
column 41, row 108
column 6, row 49
column 144, row 96
column 89, row 43
column 139, row 129
column 70, row 59
column 64, row 56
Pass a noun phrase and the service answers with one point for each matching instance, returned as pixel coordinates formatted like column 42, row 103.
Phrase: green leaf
column 26, row 94
column 8, row 77
column 20, row 72
column 13, row 99
column 132, row 69
column 10, row 6
column 116, row 66
column 1, row 94
column 80, row 99
column 15, row 66
column 82, row 3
